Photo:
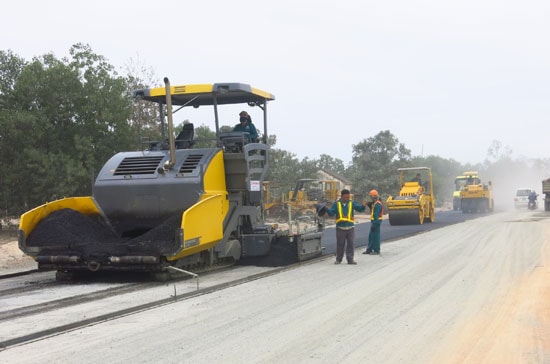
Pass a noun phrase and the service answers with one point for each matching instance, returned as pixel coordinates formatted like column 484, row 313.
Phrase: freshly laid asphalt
column 389, row 232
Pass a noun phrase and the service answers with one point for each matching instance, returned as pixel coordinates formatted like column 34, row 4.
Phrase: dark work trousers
column 345, row 238
column 374, row 239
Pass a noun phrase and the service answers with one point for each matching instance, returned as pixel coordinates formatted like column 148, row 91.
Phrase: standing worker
column 345, row 231
column 417, row 178
column 376, row 213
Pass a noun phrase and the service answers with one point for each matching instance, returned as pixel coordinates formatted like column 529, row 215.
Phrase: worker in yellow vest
column 344, row 209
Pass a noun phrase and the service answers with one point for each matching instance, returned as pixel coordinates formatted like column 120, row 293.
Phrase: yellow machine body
column 415, row 203
column 476, row 196
column 170, row 205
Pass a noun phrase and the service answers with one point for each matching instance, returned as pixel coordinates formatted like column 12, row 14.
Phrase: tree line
column 62, row 119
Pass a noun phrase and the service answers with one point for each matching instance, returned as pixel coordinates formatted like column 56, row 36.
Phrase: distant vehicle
column 521, row 200
column 546, row 192
column 532, row 205
column 476, row 196
column 460, row 182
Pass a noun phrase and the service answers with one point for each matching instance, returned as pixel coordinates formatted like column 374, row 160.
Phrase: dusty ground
column 11, row 258
column 514, row 327
column 476, row 292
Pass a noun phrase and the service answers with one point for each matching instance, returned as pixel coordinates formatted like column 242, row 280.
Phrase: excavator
column 415, row 203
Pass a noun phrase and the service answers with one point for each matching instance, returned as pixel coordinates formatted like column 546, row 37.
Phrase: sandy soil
column 11, row 258
column 476, row 292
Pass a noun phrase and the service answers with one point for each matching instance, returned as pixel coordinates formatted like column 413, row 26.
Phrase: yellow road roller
column 415, row 203
column 476, row 196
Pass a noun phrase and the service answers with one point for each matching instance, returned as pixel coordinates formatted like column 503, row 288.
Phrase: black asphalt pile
column 70, row 229
column 67, row 227
column 160, row 239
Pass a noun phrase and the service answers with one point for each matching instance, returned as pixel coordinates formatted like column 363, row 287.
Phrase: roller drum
column 405, row 217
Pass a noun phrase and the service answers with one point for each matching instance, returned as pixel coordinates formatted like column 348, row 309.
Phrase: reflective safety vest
column 349, row 216
column 381, row 210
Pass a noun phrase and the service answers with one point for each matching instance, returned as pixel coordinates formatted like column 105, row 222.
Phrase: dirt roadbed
column 12, row 258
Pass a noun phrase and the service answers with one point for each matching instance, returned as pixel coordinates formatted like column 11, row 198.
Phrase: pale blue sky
column 446, row 77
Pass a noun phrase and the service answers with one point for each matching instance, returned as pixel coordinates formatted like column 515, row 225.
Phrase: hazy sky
column 445, row 77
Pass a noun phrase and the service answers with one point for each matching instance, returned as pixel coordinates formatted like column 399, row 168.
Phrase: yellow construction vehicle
column 415, row 203
column 271, row 196
column 303, row 199
column 476, row 196
column 309, row 192
column 546, row 191
column 170, row 206
column 460, row 182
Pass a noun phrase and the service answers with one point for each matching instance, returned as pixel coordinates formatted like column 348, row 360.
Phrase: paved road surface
column 389, row 233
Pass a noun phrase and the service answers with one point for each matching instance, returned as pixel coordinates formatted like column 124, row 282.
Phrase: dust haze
column 507, row 177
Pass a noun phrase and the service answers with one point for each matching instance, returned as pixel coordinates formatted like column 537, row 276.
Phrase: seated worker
column 418, row 179
column 247, row 126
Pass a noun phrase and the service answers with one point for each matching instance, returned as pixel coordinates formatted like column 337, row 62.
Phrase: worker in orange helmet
column 376, row 213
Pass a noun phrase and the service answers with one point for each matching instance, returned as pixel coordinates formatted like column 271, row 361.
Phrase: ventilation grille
column 190, row 163
column 138, row 165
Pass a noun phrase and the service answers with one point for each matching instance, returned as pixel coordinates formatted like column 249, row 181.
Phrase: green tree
column 332, row 164
column 12, row 124
column 375, row 162
column 11, row 66
column 65, row 118
column 205, row 137
column 144, row 118
column 444, row 172
column 284, row 169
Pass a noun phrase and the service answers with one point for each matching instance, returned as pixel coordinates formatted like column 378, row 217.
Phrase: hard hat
column 373, row 193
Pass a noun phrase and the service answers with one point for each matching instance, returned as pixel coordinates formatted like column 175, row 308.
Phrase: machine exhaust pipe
column 172, row 161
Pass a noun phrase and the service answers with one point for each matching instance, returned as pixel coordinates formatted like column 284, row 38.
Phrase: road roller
column 172, row 204
column 476, row 196
column 415, row 203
